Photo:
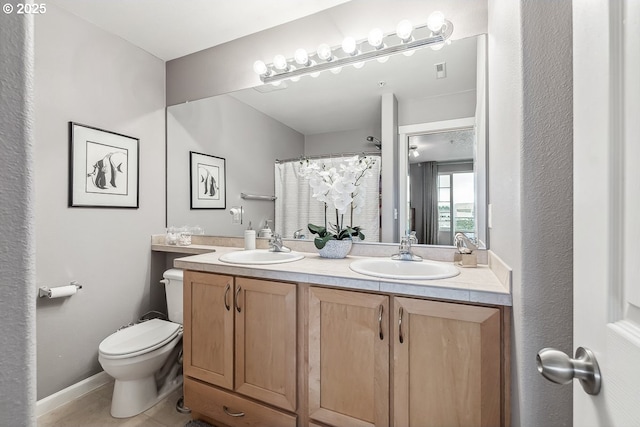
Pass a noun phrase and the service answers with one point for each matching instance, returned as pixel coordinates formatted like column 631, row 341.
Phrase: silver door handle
column 559, row 368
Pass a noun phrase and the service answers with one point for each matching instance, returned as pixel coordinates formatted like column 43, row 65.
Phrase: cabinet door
column 446, row 364
column 266, row 341
column 348, row 358
column 208, row 325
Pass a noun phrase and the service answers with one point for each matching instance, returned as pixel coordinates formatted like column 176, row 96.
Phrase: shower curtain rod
column 324, row 156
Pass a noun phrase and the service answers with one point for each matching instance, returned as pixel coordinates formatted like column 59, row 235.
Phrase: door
column 266, row 341
column 446, row 364
column 348, row 358
column 208, row 322
column 607, row 206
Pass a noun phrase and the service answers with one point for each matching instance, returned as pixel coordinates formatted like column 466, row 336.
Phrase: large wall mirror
column 342, row 114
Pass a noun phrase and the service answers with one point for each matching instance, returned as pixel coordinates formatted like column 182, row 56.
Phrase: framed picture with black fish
column 207, row 181
column 103, row 168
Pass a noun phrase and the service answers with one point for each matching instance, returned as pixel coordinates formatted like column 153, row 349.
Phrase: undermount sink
column 404, row 270
column 260, row 257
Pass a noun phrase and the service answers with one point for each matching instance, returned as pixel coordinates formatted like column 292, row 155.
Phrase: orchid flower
column 340, row 189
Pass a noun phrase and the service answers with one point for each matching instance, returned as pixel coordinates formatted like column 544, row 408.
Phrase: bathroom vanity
column 312, row 343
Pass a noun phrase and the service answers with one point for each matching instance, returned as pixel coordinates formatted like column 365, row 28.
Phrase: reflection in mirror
column 328, row 116
column 299, row 204
column 441, row 186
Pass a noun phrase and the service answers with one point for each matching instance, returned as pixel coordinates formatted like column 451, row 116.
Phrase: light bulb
column 260, row 68
column 404, row 30
column 349, row 46
column 409, row 52
column 437, row 46
column 280, row 62
column 324, row 52
column 415, row 153
column 301, row 57
column 336, row 70
column 359, row 65
column 375, row 38
column 435, row 21
column 383, row 59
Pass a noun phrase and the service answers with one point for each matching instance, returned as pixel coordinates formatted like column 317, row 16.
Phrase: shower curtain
column 295, row 206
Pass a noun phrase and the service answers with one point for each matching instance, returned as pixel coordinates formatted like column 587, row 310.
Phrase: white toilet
column 143, row 358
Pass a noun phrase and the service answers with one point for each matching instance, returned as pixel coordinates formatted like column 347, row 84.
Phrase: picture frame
column 103, row 168
column 207, row 181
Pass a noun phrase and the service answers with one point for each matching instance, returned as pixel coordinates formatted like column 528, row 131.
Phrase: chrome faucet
column 404, row 251
column 275, row 244
column 464, row 244
column 298, row 234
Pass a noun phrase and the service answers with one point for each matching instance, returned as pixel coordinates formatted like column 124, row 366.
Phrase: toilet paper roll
column 62, row 291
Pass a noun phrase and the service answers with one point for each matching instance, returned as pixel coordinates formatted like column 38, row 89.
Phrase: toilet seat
column 139, row 339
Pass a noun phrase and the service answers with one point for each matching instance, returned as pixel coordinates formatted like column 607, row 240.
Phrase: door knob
column 559, row 368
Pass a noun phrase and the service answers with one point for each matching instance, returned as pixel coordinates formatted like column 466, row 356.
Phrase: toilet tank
column 173, row 289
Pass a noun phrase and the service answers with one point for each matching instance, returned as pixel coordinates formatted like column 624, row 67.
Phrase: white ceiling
column 170, row 29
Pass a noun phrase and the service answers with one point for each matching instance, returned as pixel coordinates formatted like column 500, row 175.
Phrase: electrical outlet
column 441, row 70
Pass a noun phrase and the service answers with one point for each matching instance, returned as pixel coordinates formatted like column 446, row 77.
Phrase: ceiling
column 169, row 29
column 443, row 146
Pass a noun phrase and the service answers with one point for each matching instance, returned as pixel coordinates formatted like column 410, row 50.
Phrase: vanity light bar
column 293, row 70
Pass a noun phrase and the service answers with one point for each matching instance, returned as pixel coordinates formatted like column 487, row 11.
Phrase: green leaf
column 316, row 229
column 320, row 242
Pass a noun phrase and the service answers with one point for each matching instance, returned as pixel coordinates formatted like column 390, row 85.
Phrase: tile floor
column 92, row 410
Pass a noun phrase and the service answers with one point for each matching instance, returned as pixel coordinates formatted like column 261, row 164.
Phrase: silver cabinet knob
column 559, row 368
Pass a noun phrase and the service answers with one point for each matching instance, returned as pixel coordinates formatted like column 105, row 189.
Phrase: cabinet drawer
column 219, row 405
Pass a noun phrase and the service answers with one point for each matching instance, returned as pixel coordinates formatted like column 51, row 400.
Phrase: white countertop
column 486, row 284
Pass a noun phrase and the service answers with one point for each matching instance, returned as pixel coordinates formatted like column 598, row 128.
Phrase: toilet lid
column 139, row 338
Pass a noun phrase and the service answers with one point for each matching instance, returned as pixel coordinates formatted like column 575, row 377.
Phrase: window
column 456, row 204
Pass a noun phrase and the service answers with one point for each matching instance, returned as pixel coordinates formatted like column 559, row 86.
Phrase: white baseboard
column 71, row 393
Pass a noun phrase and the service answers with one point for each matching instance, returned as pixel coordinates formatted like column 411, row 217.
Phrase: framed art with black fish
column 207, row 181
column 103, row 168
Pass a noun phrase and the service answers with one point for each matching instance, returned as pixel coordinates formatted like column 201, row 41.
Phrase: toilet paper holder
column 45, row 292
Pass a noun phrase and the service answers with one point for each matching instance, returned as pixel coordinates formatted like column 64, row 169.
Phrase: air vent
column 441, row 70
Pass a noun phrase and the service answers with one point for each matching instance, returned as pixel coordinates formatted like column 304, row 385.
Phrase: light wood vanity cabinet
column 446, row 364
column 348, row 358
column 240, row 335
column 266, row 353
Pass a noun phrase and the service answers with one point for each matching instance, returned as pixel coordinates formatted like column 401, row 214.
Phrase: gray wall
column 349, row 141
column 451, row 106
column 530, row 179
column 247, row 139
column 17, row 246
column 86, row 75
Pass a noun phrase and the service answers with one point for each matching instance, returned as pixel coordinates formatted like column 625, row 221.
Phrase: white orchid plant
column 340, row 189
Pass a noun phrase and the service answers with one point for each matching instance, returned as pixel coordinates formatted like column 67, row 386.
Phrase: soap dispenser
column 249, row 238
column 266, row 231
